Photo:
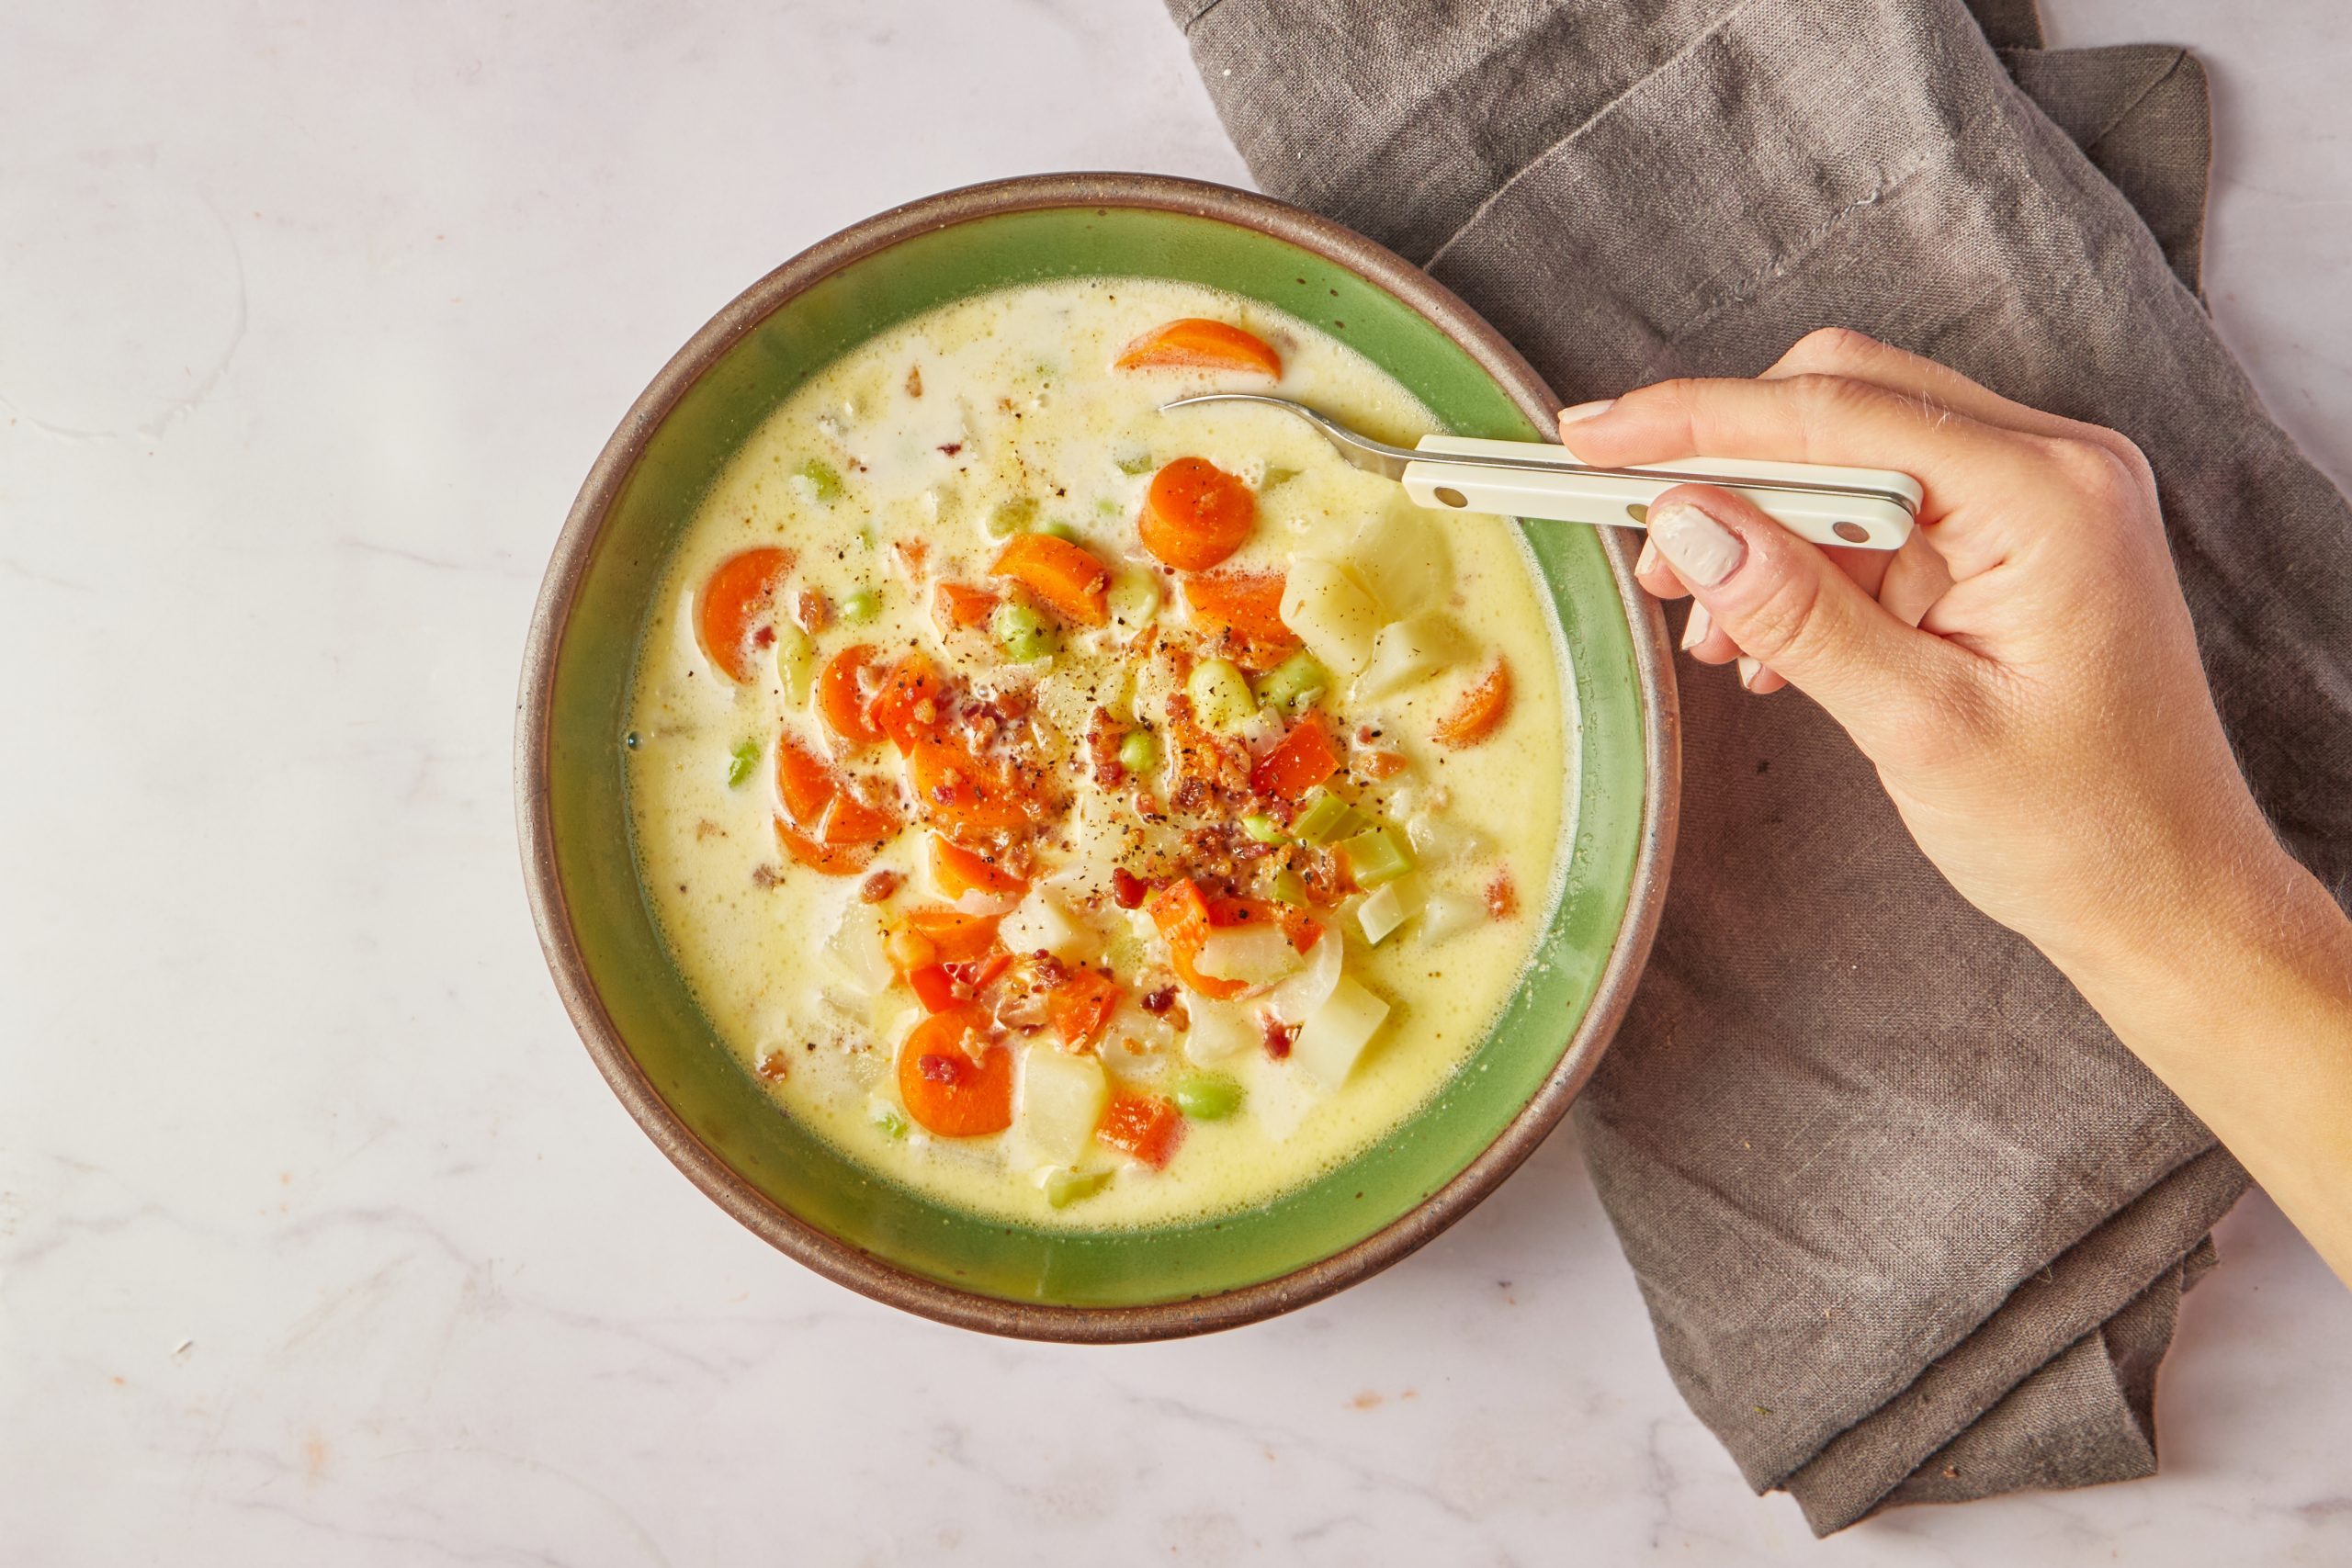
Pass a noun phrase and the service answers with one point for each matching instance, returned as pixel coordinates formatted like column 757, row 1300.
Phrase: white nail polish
column 1649, row 563
column 1580, row 411
column 1700, row 549
column 1695, row 630
column 1748, row 671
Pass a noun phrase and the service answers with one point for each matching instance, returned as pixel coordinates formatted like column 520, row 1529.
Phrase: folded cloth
column 1911, row 1225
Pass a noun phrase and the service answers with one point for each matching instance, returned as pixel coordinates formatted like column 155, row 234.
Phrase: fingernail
column 1748, row 671
column 1695, row 630
column 1702, row 550
column 1649, row 563
column 1578, row 412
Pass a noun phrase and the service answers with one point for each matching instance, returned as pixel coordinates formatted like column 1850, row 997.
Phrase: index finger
column 1803, row 419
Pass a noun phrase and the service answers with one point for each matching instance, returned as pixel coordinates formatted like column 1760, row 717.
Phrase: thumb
column 1791, row 608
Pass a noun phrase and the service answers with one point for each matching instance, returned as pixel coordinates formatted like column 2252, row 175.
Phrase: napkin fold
column 1911, row 1225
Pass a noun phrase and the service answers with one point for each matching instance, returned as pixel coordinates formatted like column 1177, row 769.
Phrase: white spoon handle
column 1868, row 509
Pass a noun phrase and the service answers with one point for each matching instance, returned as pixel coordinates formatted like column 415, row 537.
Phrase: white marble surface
column 320, row 1242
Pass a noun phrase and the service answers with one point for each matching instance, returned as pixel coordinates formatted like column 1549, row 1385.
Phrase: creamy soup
column 1088, row 814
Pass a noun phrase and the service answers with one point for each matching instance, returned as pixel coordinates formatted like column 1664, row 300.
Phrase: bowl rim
column 841, row 1261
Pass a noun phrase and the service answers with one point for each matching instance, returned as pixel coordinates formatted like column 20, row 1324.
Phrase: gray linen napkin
column 1911, row 1225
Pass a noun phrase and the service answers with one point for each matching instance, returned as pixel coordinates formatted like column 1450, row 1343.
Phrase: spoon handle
column 1867, row 509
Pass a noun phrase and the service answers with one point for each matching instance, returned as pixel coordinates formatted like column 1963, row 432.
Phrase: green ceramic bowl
column 635, row 1013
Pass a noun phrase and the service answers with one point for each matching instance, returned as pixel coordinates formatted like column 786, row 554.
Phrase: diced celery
column 1287, row 887
column 1221, row 695
column 1007, row 518
column 1056, row 529
column 1275, row 476
column 1261, row 828
column 741, row 764
column 886, row 1116
column 1207, row 1097
column 796, row 661
column 1294, row 683
column 1024, row 634
column 1325, row 818
column 1139, row 752
column 1135, row 463
column 1064, row 1188
column 1377, row 855
column 861, row 607
column 823, row 480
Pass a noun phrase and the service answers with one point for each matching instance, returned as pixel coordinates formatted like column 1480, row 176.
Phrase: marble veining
column 320, row 1239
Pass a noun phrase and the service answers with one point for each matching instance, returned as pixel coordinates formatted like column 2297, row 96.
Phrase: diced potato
column 1328, row 1048
column 1040, row 922
column 1446, row 914
column 1437, row 837
column 1219, row 1031
column 1331, row 612
column 1408, row 651
column 1400, row 556
column 1255, row 955
column 855, row 949
column 1062, row 1096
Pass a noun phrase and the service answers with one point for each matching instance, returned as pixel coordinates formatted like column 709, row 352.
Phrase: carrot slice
column 1298, row 926
column 951, row 1088
column 1245, row 604
column 955, row 788
column 959, row 871
column 1481, row 711
column 841, row 695
column 935, row 987
column 1304, row 758
column 1197, row 343
column 912, row 701
column 1073, row 584
column 1143, row 1125
column 1182, row 916
column 1080, row 1007
column 1195, row 515
column 954, row 605
column 806, row 784
column 954, row 936
column 833, row 860
column 737, row 603
column 849, row 820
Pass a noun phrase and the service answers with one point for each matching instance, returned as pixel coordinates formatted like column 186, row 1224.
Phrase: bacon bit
column 914, row 381
column 879, row 887
column 1503, row 899
column 765, row 875
column 1128, row 890
column 1278, row 1036
column 1102, row 740
column 764, row 637
column 951, row 448
column 813, row 611
column 774, row 1066
column 1159, row 1001
column 944, row 1069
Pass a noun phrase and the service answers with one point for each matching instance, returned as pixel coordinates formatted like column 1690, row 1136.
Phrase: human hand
column 2022, row 673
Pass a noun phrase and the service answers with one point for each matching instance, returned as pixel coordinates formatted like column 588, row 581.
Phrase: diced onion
column 1327, row 1047
column 1446, row 914
column 1255, row 955
column 1295, row 1000
column 855, row 949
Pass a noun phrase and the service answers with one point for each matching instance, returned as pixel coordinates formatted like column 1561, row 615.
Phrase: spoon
column 1864, row 509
